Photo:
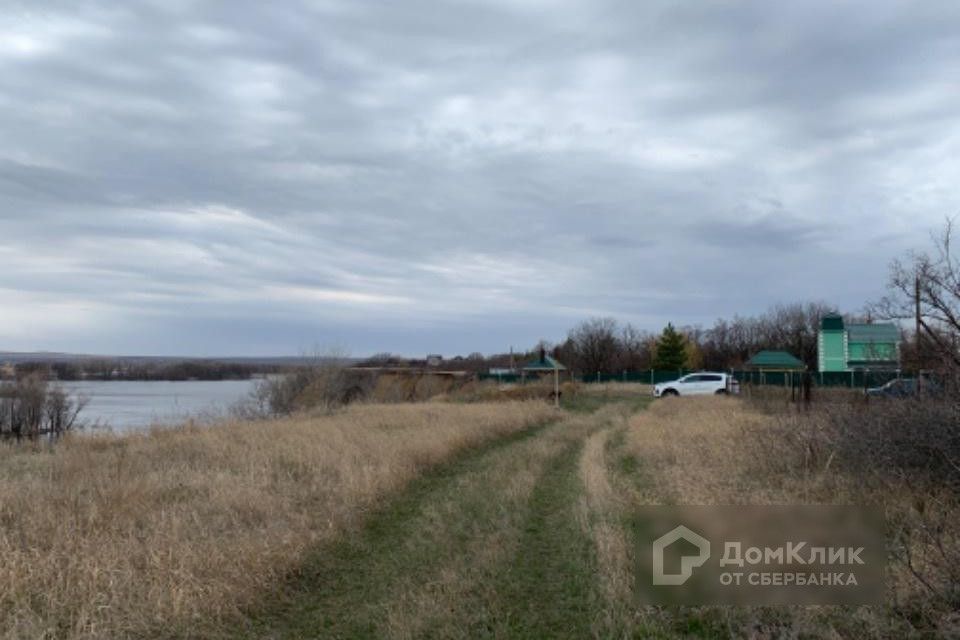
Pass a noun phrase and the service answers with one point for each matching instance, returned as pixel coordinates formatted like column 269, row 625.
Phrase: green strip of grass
column 550, row 590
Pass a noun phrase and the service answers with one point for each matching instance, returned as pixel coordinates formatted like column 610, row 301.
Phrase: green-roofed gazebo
column 546, row 364
column 775, row 361
column 779, row 363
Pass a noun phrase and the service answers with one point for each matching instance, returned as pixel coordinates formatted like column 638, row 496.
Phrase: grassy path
column 549, row 589
column 494, row 544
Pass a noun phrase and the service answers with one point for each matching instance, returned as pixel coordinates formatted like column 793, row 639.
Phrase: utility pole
column 918, row 322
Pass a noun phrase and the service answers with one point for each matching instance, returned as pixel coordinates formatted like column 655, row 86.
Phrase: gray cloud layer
column 249, row 177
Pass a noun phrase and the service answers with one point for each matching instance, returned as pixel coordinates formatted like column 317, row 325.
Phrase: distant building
column 434, row 360
column 857, row 346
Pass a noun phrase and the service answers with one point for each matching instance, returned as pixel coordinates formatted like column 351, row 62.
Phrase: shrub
column 902, row 455
column 324, row 386
column 30, row 407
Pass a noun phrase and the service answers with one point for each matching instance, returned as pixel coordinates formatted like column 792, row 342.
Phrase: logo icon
column 687, row 563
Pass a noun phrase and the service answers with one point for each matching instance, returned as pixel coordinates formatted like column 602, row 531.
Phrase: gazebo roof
column 547, row 363
column 779, row 360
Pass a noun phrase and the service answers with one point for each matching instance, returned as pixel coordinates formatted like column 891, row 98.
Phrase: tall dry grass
column 693, row 452
column 617, row 388
column 601, row 510
column 175, row 531
column 900, row 456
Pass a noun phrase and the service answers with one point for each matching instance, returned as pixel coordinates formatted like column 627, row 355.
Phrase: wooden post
column 556, row 386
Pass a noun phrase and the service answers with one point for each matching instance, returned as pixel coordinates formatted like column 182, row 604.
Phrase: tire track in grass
column 350, row 589
column 453, row 599
column 633, row 479
column 553, row 587
column 491, row 544
column 550, row 588
column 602, row 515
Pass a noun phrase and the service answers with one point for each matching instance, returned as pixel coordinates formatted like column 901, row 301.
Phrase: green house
column 857, row 346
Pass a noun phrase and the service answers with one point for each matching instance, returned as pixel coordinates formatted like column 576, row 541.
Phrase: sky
column 259, row 178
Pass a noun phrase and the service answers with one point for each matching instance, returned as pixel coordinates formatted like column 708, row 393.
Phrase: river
column 132, row 405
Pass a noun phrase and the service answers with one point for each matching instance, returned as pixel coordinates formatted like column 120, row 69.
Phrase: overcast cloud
column 206, row 178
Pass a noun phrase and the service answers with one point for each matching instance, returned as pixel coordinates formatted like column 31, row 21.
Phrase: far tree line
column 107, row 369
column 603, row 345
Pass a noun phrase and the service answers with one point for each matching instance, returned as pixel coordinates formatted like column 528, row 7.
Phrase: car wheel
column 721, row 392
column 669, row 392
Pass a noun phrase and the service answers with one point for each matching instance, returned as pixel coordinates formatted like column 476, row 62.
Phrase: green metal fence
column 850, row 379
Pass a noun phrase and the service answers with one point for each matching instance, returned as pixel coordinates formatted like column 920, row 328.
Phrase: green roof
column 879, row 332
column 774, row 360
column 832, row 322
column 547, row 364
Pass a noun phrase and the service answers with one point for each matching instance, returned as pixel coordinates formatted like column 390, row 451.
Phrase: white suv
column 696, row 384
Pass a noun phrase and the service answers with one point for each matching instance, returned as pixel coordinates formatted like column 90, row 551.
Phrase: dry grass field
column 175, row 531
column 716, row 450
column 459, row 519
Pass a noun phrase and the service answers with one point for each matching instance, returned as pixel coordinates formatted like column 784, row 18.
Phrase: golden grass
column 716, row 450
column 601, row 514
column 614, row 388
column 694, row 453
column 109, row 537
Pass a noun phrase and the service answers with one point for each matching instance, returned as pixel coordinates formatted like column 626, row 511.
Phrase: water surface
column 130, row 405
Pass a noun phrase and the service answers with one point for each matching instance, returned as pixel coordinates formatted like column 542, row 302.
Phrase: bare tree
column 635, row 349
column 791, row 327
column 594, row 345
column 924, row 288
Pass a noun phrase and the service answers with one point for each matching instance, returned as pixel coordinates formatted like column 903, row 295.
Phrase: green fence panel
column 849, row 379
